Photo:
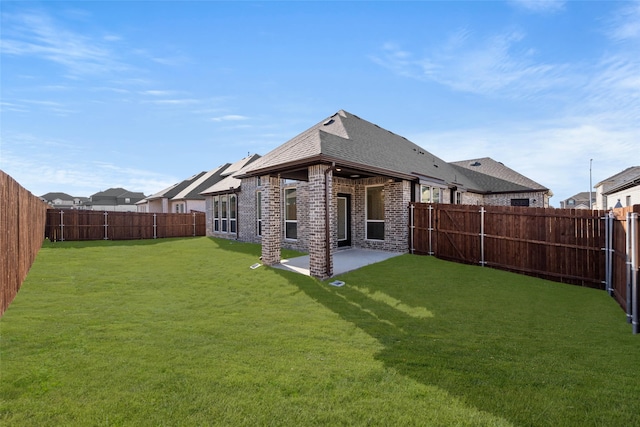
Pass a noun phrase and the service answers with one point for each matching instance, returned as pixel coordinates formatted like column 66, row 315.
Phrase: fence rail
column 597, row 249
column 22, row 222
column 65, row 225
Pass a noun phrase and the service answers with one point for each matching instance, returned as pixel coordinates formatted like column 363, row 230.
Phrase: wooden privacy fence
column 597, row 249
column 22, row 222
column 63, row 225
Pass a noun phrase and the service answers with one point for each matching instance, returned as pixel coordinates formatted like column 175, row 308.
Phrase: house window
column 375, row 213
column 458, row 198
column 224, row 214
column 180, row 208
column 571, row 202
column 429, row 194
column 628, row 200
column 290, row 214
column 216, row 213
column 259, row 181
column 259, row 213
column 127, row 200
column 519, row 202
column 232, row 213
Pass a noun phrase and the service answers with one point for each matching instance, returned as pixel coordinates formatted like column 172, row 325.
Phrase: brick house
column 346, row 182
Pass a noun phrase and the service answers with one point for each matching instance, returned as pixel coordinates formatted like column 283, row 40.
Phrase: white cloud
column 624, row 24
column 228, row 117
column 540, row 6
column 53, row 165
column 553, row 153
column 184, row 101
column 37, row 34
column 494, row 66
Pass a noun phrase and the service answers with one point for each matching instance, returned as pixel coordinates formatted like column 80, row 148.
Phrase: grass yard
column 183, row 332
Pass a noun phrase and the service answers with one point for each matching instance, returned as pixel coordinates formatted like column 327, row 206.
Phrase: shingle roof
column 176, row 188
column 192, row 191
column 53, row 196
column 495, row 177
column 628, row 177
column 230, row 182
column 346, row 138
column 118, row 192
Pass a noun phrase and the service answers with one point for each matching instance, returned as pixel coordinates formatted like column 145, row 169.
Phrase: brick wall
column 536, row 199
column 316, row 220
column 272, row 220
column 248, row 210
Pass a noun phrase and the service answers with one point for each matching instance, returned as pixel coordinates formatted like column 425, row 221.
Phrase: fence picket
column 580, row 247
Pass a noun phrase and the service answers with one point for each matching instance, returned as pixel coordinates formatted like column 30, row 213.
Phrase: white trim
column 290, row 221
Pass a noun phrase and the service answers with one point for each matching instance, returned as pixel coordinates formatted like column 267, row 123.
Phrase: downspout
column 235, row 193
column 327, row 217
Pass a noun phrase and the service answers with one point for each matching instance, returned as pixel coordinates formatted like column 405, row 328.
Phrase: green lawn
column 183, row 332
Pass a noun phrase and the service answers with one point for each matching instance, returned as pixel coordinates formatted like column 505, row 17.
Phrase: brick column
column 319, row 265
column 272, row 222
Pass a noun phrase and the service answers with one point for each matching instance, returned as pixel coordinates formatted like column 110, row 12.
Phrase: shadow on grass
column 499, row 366
column 252, row 249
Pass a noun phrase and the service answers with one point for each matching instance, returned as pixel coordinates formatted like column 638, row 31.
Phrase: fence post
column 61, row 225
column 412, row 226
column 193, row 214
column 482, row 211
column 155, row 226
column 611, row 251
column 608, row 248
column 632, row 228
column 430, row 229
column 106, row 225
column 629, row 261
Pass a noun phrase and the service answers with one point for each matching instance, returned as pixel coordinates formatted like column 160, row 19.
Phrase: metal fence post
column 632, row 228
column 194, row 223
column 155, row 227
column 629, row 253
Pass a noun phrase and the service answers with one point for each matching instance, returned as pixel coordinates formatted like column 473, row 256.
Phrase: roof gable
column 176, row 188
column 494, row 176
column 344, row 137
column 230, row 182
column 627, row 178
column 60, row 196
column 192, row 191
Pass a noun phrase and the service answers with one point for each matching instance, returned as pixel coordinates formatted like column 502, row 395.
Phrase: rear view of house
column 346, row 182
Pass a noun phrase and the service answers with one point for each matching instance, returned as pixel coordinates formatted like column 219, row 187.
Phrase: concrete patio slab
column 344, row 260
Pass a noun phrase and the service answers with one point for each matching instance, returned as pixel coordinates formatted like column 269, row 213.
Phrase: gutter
column 313, row 160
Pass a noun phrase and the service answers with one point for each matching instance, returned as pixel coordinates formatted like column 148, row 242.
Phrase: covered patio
column 344, row 260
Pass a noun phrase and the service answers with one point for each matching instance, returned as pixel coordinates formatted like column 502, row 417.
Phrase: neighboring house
column 160, row 202
column 346, row 182
column 502, row 186
column 114, row 199
column 222, row 201
column 64, row 201
column 186, row 196
column 619, row 190
column 579, row 201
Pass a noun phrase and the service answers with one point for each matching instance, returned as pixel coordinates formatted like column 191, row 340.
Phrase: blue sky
column 145, row 94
